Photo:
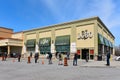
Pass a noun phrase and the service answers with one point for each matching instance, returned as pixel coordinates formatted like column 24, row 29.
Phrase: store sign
column 44, row 41
column 36, row 48
column 85, row 35
column 73, row 47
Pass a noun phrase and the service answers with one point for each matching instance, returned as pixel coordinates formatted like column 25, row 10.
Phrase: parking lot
column 13, row 70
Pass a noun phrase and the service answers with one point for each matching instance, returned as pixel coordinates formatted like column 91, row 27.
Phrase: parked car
column 117, row 58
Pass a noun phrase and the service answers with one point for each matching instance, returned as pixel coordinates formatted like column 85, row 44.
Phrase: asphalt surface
column 13, row 70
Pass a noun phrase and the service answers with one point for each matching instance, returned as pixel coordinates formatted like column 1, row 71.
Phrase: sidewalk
column 101, row 64
column 81, row 63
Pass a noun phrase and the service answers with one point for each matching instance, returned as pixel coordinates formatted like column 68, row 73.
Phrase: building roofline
column 12, row 39
column 59, row 24
column 70, row 22
column 105, row 26
column 18, row 32
column 6, row 28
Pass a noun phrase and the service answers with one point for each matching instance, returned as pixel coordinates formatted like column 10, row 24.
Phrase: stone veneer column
column 8, row 47
column 73, row 38
column 95, row 39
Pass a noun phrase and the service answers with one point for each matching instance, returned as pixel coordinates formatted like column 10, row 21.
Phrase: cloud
column 68, row 10
column 106, row 10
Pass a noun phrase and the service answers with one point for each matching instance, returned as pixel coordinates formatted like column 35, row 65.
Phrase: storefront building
column 10, row 42
column 81, row 37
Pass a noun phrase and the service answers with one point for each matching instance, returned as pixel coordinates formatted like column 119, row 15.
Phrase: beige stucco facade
column 82, row 34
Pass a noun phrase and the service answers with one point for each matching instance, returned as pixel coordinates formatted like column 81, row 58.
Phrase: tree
column 117, row 50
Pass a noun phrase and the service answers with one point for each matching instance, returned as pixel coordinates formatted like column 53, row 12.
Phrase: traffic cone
column 42, row 61
column 65, row 62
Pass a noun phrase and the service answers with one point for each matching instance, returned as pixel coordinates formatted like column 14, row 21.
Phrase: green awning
column 44, row 41
column 111, row 45
column 106, row 42
column 100, row 39
column 62, row 40
column 31, row 43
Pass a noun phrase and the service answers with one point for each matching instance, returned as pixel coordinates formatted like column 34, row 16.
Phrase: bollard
column 29, row 60
column 65, row 61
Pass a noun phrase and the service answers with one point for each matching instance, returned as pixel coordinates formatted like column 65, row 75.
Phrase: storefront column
column 73, row 48
column 103, row 54
column 37, row 42
column 103, row 49
column 53, row 41
column 8, row 47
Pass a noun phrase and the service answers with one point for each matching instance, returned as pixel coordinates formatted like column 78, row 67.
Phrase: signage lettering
column 85, row 35
column 44, row 41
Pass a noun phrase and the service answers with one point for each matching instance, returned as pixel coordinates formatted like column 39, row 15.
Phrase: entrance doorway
column 84, row 52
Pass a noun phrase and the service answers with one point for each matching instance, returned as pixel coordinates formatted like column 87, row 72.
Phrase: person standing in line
column 5, row 56
column 50, row 57
column 75, row 59
column 108, row 58
column 87, row 56
column 19, row 57
column 31, row 54
column 36, row 56
column 60, row 59
column 68, row 54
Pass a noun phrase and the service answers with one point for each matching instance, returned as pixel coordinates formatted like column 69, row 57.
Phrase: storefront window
column 44, row 45
column 31, row 45
column 62, row 43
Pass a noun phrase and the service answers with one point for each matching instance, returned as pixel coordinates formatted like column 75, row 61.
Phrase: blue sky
column 28, row 14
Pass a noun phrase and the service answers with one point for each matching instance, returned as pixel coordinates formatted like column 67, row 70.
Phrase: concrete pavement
column 101, row 64
column 82, row 63
column 92, row 70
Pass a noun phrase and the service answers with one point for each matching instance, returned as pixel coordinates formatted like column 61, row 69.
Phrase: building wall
column 85, row 43
column 105, row 33
column 31, row 36
column 74, row 29
column 61, row 32
column 17, row 35
column 45, row 34
column 5, row 33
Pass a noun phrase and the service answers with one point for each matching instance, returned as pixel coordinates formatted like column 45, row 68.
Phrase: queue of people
column 58, row 56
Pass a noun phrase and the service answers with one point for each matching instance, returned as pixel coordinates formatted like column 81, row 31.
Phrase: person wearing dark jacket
column 87, row 56
column 5, row 56
column 108, row 58
column 50, row 57
column 19, row 57
column 75, row 59
column 60, row 59
column 36, row 56
column 31, row 54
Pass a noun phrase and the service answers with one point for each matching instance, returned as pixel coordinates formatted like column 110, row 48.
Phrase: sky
column 21, row 15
